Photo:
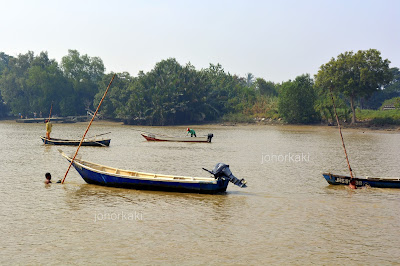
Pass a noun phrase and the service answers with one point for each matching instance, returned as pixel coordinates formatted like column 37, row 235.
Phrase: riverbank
column 371, row 119
column 360, row 125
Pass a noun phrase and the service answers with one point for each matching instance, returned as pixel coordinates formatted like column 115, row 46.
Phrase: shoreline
column 365, row 126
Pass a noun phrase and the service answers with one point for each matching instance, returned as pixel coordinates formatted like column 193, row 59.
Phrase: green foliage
column 324, row 105
column 395, row 101
column 389, row 91
column 378, row 115
column 3, row 108
column 175, row 94
column 4, row 61
column 394, row 84
column 355, row 75
column 84, row 73
column 113, row 107
column 249, row 79
column 263, row 107
column 297, row 99
column 31, row 84
column 267, row 88
column 237, row 118
column 383, row 121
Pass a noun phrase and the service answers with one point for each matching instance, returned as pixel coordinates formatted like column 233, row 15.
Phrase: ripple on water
column 287, row 215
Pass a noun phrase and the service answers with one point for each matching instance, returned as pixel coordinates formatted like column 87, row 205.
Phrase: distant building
column 389, row 107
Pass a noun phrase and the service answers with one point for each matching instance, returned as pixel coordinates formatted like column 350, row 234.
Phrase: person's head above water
column 48, row 178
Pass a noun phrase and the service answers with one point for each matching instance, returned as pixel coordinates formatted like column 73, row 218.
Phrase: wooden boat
column 68, row 119
column 103, row 175
column 154, row 137
column 362, row 181
column 86, row 142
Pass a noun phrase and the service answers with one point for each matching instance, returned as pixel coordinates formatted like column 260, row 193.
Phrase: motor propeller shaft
column 222, row 171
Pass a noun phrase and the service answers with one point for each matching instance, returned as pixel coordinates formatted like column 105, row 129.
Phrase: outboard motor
column 209, row 137
column 222, row 171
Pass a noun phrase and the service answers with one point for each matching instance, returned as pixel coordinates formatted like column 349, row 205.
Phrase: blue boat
column 333, row 179
column 68, row 142
column 103, row 175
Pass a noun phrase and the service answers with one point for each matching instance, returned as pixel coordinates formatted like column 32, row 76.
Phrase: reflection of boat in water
column 155, row 137
column 333, row 179
column 86, row 142
column 103, row 175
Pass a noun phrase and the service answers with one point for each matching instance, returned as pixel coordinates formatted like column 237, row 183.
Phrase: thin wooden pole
column 51, row 108
column 341, row 136
column 87, row 129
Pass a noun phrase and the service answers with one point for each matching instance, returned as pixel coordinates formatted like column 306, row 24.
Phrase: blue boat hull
column 104, row 179
column 333, row 179
column 99, row 143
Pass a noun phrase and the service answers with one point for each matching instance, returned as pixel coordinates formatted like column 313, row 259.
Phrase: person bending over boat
column 49, row 125
column 191, row 131
column 48, row 178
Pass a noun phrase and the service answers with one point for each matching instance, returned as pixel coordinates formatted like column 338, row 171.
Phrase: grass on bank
column 372, row 117
column 265, row 108
column 379, row 117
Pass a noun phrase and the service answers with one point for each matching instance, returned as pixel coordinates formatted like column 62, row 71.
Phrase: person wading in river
column 48, row 178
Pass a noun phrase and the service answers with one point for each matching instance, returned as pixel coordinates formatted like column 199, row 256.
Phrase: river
column 288, row 214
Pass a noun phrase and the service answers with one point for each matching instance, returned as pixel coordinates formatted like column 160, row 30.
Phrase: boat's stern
column 221, row 171
column 330, row 178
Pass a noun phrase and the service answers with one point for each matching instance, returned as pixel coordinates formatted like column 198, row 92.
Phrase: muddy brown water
column 287, row 215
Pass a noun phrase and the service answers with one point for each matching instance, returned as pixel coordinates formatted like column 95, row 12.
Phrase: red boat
column 154, row 137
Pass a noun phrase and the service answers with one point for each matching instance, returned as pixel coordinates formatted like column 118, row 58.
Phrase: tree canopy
column 172, row 93
column 84, row 73
column 355, row 75
column 297, row 99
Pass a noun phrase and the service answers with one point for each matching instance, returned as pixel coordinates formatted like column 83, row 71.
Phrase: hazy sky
column 275, row 40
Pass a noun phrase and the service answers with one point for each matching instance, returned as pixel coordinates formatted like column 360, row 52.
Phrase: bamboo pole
column 87, row 129
column 344, row 146
column 51, row 108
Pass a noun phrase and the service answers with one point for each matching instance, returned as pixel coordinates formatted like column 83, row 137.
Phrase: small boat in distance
column 86, row 142
column 155, row 137
column 103, row 175
column 333, row 179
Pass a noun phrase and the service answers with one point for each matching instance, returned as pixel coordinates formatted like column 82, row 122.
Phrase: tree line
column 172, row 93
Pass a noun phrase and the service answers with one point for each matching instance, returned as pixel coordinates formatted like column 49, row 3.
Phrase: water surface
column 287, row 215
